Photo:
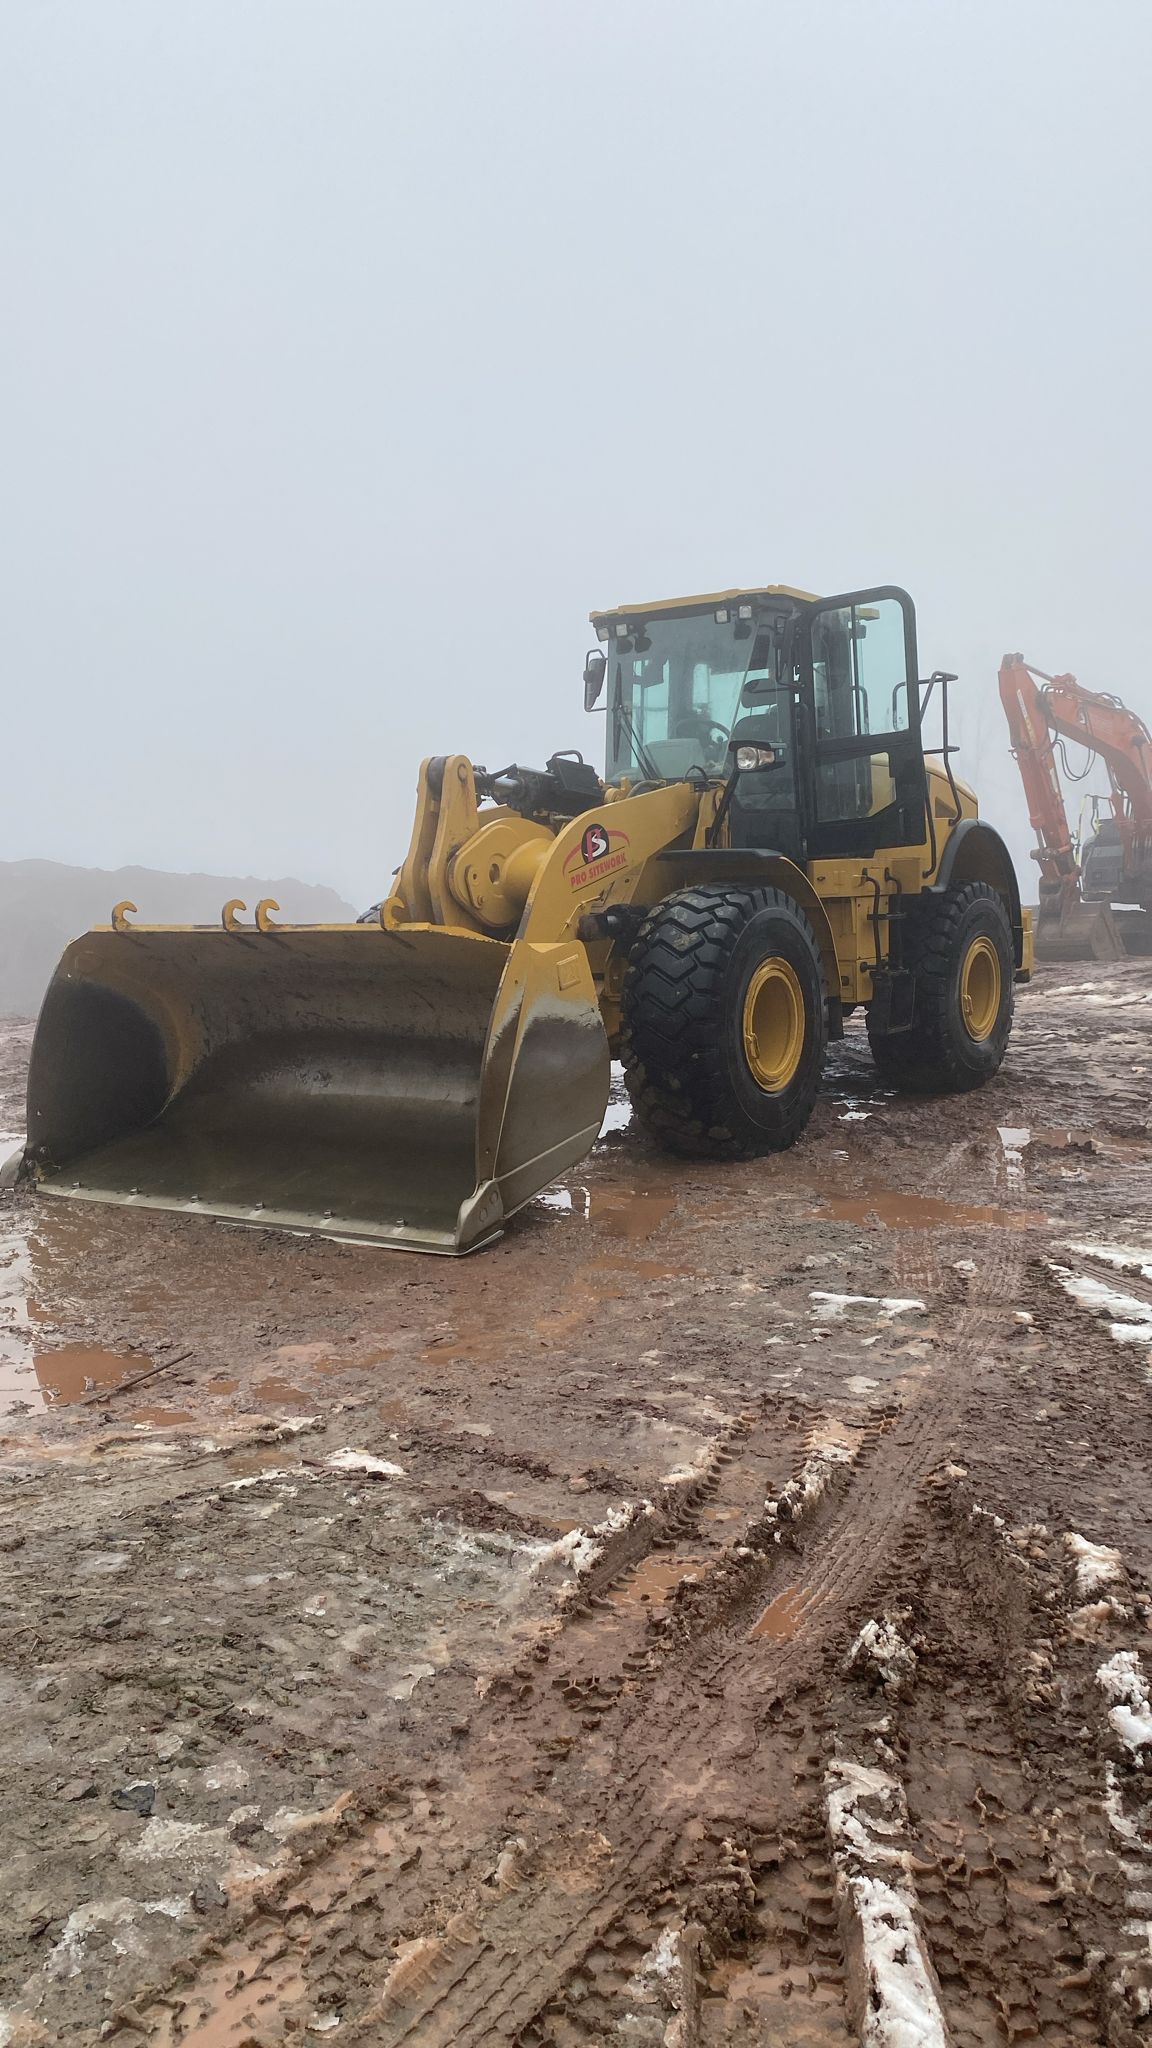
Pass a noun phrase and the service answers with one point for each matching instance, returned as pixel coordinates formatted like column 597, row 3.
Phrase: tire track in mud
column 463, row 1965
column 690, row 1753
column 705, row 1730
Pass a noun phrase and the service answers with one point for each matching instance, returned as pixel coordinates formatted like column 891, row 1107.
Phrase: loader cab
column 819, row 696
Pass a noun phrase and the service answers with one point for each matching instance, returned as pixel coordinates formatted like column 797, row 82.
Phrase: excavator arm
column 1026, row 709
column 1042, row 711
column 1124, row 744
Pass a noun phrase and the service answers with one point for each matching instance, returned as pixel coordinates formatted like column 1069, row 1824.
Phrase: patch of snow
column 867, row 1826
column 880, row 1648
column 11, row 1153
column 67, row 1957
column 809, row 1486
column 617, row 1117
column 1096, row 1564
column 846, row 1785
column 661, row 1961
column 1127, row 1258
column 1013, row 1138
column 1114, row 1807
column 964, row 1265
column 1133, row 1317
column 257, row 1479
column 362, row 1461
column 903, row 2009
column 1087, row 1622
column 207, row 1851
column 406, row 1686
column 1122, row 1680
column 888, row 1306
column 683, row 1475
column 662, row 1987
column 859, row 1383
column 580, row 1548
column 855, row 1116
column 289, row 1820
column 225, row 1776
column 1134, row 1857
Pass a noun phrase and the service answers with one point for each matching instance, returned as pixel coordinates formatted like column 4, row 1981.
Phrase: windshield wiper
column 643, row 759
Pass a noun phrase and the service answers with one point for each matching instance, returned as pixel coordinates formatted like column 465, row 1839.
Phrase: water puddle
column 654, row 1579
column 1013, row 1139
column 32, row 1374
column 251, row 1464
column 53, row 1379
column 280, row 1394
column 79, row 1369
column 919, row 1212
column 781, row 1617
column 630, row 1213
column 618, row 1114
column 634, row 1214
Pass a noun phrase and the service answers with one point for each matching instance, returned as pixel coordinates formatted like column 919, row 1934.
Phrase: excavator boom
column 1043, row 711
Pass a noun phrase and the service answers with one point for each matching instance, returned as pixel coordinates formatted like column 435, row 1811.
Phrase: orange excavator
column 1095, row 897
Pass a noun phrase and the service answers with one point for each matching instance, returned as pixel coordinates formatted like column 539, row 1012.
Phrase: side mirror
column 595, row 670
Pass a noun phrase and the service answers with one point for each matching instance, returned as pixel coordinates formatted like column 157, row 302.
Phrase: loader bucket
column 408, row 1088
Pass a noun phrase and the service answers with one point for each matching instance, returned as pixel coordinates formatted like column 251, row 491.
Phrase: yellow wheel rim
column 980, row 989
column 774, row 1025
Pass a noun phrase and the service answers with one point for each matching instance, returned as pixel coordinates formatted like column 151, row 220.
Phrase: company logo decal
column 600, row 852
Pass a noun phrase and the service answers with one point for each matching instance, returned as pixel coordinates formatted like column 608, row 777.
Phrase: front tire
column 959, row 949
column 723, row 1022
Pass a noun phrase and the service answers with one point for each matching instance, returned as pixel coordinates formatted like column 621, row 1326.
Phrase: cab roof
column 705, row 601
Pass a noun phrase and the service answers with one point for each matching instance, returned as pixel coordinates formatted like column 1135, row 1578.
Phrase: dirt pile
column 43, row 905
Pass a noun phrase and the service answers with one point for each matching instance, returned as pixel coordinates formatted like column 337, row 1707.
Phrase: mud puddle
column 33, row 1374
column 781, row 1617
column 919, row 1212
column 281, row 1394
column 632, row 1213
column 654, row 1579
column 53, row 1379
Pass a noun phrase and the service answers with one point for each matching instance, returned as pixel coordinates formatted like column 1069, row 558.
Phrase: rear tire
column 723, row 1022
column 960, row 951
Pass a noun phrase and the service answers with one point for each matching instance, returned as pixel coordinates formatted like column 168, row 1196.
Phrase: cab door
column 866, row 780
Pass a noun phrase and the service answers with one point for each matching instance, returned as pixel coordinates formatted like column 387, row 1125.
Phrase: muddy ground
column 716, row 1615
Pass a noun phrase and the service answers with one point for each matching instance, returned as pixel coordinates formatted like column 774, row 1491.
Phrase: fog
column 352, row 352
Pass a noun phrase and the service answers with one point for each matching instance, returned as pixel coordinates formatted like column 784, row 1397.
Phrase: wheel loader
column 771, row 846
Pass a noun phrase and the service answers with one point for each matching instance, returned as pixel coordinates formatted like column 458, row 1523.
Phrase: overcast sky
column 352, row 351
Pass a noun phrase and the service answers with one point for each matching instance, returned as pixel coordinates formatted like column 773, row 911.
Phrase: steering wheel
column 702, row 728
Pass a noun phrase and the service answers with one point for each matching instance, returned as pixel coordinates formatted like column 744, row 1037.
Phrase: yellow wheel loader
column 771, row 847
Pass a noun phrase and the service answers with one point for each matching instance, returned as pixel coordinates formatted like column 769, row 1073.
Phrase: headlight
column 755, row 757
